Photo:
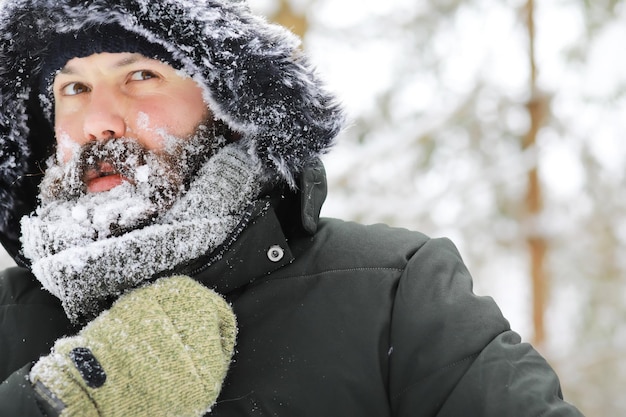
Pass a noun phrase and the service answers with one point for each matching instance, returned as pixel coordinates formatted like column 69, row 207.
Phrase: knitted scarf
column 86, row 277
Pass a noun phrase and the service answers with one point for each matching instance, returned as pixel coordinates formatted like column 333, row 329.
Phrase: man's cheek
column 149, row 132
column 66, row 147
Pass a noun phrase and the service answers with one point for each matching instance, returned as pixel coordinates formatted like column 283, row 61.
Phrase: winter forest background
column 496, row 123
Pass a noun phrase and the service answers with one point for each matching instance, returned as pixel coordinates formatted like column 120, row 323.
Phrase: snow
column 142, row 173
column 65, row 145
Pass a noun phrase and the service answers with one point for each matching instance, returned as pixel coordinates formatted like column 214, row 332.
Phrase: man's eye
column 73, row 89
column 142, row 75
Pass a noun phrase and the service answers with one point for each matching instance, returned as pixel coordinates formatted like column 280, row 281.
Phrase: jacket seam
column 448, row 366
column 332, row 271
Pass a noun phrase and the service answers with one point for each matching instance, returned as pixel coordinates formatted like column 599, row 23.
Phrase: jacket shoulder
column 377, row 245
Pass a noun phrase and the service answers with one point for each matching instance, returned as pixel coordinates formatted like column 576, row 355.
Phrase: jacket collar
column 262, row 247
column 259, row 249
column 313, row 190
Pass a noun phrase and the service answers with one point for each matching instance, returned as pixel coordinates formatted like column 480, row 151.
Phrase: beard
column 153, row 182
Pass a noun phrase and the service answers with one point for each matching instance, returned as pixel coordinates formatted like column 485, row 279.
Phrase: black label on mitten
column 88, row 367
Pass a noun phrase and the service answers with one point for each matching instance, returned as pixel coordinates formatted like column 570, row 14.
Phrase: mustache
column 113, row 156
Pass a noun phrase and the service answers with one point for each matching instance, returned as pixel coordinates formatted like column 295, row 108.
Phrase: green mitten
column 160, row 350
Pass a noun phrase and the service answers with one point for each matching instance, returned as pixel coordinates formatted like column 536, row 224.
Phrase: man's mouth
column 103, row 177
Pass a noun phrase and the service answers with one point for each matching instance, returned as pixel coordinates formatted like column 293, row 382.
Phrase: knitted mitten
column 160, row 350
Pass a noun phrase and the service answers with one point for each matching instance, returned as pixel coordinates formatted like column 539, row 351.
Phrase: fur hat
column 254, row 76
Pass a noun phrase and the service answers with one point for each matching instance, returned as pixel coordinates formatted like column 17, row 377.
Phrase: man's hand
column 161, row 350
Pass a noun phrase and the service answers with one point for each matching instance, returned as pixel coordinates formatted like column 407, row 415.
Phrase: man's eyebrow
column 129, row 60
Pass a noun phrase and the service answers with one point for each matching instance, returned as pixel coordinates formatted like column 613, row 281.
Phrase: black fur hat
column 254, row 76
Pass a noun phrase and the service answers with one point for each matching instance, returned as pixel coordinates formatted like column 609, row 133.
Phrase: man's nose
column 104, row 115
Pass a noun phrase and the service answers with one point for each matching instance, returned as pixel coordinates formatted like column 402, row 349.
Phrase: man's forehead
column 109, row 60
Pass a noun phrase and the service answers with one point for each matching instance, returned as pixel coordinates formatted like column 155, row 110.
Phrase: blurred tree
column 538, row 109
column 286, row 16
column 497, row 123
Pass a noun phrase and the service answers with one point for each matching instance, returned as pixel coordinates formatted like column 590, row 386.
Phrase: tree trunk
column 286, row 16
column 537, row 108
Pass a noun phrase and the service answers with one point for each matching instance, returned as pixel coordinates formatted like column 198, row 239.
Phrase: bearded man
column 160, row 191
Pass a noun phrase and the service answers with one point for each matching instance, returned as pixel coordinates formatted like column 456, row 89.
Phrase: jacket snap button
column 275, row 253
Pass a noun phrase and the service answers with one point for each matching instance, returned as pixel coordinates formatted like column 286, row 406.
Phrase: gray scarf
column 85, row 276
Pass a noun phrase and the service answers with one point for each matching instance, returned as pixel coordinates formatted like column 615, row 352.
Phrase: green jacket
column 348, row 320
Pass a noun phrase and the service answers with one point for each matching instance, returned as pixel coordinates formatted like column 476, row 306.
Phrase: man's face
column 131, row 133
column 123, row 95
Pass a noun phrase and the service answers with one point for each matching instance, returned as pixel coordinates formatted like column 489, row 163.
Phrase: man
column 180, row 143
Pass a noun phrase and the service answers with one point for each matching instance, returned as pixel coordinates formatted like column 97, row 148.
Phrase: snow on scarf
column 85, row 277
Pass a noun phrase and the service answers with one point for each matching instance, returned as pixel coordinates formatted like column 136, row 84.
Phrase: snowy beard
column 154, row 182
column 74, row 261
